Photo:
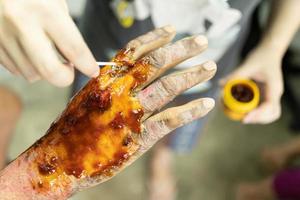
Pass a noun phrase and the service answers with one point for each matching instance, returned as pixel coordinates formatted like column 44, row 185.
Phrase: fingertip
column 250, row 118
column 201, row 40
column 247, row 120
column 169, row 28
column 208, row 103
column 96, row 73
column 90, row 69
column 210, row 66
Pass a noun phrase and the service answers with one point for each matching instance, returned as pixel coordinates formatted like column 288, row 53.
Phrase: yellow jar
column 240, row 96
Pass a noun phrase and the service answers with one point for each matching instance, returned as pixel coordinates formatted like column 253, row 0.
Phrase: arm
column 283, row 23
column 263, row 64
column 110, row 122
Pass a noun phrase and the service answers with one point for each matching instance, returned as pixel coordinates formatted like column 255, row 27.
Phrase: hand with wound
column 113, row 120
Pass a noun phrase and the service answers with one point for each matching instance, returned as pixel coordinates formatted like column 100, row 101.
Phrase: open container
column 240, row 96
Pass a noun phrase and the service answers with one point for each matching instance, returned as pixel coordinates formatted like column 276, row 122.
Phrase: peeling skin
column 173, row 54
column 163, row 91
column 93, row 136
column 158, row 126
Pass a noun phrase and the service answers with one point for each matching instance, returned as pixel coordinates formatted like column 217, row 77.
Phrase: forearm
column 283, row 23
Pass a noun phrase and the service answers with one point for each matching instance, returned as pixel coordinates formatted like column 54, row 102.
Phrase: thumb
column 244, row 71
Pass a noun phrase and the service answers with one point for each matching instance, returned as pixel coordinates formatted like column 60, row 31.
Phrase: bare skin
column 162, row 183
column 10, row 109
column 278, row 157
column 39, row 40
column 262, row 190
column 110, row 122
column 263, row 64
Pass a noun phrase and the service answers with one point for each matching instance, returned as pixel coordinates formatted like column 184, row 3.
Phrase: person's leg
column 161, row 179
column 284, row 185
column 10, row 109
column 262, row 190
column 278, row 157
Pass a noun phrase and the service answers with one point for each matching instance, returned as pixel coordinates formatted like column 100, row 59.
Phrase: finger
column 269, row 110
column 64, row 5
column 8, row 63
column 163, row 123
column 47, row 62
column 15, row 52
column 151, row 40
column 161, row 92
column 166, row 57
column 241, row 72
column 264, row 114
column 65, row 35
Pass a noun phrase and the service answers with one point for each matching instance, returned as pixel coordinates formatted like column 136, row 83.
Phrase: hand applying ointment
column 35, row 34
column 110, row 122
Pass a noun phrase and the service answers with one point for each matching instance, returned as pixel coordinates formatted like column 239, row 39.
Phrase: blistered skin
column 94, row 135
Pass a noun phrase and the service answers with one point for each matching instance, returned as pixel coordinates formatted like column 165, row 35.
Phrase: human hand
column 35, row 34
column 113, row 120
column 263, row 66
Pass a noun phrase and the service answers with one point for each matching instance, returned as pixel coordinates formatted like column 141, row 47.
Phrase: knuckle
column 10, row 14
column 49, row 71
column 168, row 84
column 46, row 8
column 133, row 44
column 75, row 51
column 152, row 132
column 160, row 57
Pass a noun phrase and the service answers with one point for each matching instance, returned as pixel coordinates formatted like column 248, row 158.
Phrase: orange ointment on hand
column 93, row 136
column 240, row 96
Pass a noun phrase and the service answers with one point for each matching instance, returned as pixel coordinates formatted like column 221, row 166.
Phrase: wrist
column 19, row 173
column 273, row 46
column 15, row 175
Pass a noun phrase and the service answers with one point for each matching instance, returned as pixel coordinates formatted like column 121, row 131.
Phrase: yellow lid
column 239, row 106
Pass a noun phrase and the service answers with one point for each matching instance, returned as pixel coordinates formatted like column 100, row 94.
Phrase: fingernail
column 209, row 66
column 208, row 103
column 96, row 74
column 201, row 40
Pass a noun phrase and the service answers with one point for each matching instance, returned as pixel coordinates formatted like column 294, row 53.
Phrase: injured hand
column 110, row 122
